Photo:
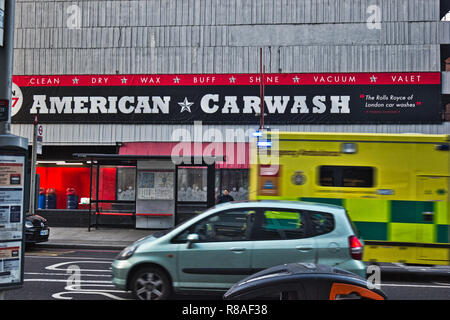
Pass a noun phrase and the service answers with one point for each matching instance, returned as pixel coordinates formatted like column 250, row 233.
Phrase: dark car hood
column 35, row 217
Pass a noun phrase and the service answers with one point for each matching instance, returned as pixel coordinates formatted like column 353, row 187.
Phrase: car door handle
column 304, row 248
column 237, row 250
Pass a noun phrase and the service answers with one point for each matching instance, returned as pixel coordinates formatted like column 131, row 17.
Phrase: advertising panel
column 12, row 179
column 155, row 185
column 10, row 263
column 11, row 195
column 328, row 98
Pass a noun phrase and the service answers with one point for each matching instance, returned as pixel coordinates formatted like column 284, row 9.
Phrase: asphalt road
column 50, row 275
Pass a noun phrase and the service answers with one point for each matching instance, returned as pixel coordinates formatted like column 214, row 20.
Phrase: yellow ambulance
column 395, row 187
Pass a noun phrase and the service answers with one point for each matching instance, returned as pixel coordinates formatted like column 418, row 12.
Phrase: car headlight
column 28, row 224
column 127, row 252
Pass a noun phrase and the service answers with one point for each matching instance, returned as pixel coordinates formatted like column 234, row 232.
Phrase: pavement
column 101, row 238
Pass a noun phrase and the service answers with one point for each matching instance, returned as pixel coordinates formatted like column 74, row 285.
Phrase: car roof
column 282, row 204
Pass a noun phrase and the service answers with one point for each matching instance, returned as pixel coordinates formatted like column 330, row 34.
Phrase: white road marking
column 75, row 289
column 65, row 280
column 69, row 258
column 93, row 250
column 400, row 265
column 59, row 295
column 56, row 267
column 415, row 285
column 61, row 273
column 65, row 274
column 442, row 283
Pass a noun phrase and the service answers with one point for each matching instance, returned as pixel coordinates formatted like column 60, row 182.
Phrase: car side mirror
column 191, row 238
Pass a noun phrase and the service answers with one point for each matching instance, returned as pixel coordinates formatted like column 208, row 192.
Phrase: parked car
column 36, row 229
column 230, row 241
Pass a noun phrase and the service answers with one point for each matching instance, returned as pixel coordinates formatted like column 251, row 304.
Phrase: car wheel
column 151, row 283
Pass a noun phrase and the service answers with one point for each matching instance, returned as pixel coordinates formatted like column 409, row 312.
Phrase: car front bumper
column 36, row 235
column 120, row 270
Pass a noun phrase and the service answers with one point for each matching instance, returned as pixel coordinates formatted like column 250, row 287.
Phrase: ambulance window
column 327, row 177
column 346, row 176
column 357, row 177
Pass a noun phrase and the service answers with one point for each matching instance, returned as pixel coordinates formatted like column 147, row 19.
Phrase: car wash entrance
column 144, row 191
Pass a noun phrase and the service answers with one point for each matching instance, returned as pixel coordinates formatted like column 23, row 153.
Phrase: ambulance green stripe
column 443, row 233
column 410, row 211
column 372, row 230
column 337, row 202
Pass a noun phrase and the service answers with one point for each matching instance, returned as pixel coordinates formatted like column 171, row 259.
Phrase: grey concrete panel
column 320, row 34
column 444, row 32
column 222, row 12
column 396, row 33
column 445, row 82
column 291, row 59
column 106, row 134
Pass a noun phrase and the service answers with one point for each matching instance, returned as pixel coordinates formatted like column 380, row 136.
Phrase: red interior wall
column 61, row 178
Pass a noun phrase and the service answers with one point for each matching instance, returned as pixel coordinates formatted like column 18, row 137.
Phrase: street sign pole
column 33, row 167
column 262, row 71
column 6, row 65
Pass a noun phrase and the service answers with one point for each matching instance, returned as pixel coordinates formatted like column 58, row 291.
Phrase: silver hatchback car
column 230, row 241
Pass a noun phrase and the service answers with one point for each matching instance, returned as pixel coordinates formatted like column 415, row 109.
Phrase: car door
column 221, row 256
column 331, row 237
column 281, row 236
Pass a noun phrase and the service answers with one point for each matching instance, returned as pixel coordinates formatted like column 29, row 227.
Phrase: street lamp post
column 6, row 63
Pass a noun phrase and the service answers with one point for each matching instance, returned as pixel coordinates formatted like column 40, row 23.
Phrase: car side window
column 321, row 223
column 281, row 225
column 233, row 225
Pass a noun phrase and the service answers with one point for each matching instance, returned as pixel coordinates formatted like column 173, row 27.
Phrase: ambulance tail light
column 356, row 248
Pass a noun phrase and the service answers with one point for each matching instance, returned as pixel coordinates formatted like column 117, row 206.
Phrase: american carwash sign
column 347, row 98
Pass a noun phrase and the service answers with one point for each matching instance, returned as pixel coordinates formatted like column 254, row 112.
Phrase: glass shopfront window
column 235, row 181
column 126, row 183
column 192, row 184
column 62, row 186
